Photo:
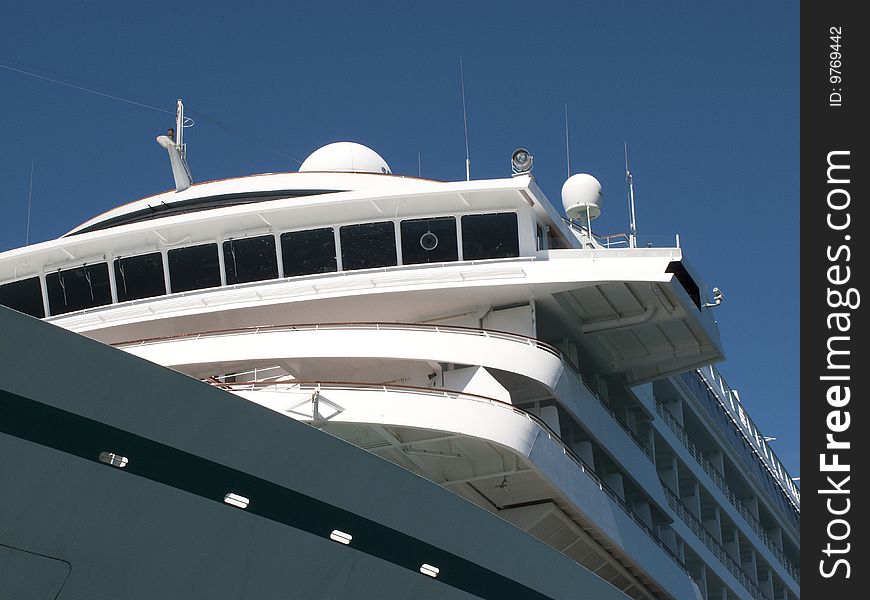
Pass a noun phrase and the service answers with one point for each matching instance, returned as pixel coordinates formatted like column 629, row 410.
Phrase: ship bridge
column 466, row 331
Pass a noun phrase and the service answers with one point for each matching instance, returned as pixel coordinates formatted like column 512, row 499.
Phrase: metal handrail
column 370, row 325
column 712, row 544
column 723, row 486
column 456, row 329
column 731, row 395
column 551, row 435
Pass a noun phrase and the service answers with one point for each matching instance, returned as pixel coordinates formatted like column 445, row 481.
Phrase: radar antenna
column 629, row 179
column 173, row 141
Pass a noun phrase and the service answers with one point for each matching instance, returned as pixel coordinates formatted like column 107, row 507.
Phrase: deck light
column 429, row 570
column 718, row 297
column 521, row 162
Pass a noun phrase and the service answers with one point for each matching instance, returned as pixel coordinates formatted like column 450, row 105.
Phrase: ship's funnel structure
column 175, row 146
column 581, row 197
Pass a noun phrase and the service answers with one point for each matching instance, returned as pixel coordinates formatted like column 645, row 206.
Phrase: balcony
column 720, row 482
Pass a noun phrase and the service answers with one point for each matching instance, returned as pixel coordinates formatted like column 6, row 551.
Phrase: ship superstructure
column 465, row 331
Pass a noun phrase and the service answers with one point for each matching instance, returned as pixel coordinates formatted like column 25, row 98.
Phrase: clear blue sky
column 706, row 94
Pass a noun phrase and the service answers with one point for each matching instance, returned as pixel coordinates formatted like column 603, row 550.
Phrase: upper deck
column 302, row 237
column 319, row 247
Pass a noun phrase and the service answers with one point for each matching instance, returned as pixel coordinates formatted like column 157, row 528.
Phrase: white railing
column 420, row 327
column 297, row 385
column 368, row 326
column 723, row 486
column 729, row 400
column 714, row 546
column 623, row 240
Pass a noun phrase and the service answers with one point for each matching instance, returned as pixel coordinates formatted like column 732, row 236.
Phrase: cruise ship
column 347, row 383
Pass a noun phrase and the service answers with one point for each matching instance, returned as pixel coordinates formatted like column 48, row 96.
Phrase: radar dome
column 345, row 157
column 581, row 196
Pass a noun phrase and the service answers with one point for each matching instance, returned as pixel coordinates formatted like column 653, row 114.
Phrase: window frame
column 516, row 215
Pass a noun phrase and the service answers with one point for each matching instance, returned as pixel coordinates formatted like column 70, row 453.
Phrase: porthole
column 429, row 241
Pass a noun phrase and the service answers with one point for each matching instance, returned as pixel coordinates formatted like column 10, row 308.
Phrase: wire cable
column 88, row 90
column 187, row 121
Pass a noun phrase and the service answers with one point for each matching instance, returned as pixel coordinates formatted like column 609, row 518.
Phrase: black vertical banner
column 835, row 425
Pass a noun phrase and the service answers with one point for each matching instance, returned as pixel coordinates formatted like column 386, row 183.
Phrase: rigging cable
column 187, row 121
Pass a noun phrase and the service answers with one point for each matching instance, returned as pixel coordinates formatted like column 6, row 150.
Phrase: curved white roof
column 345, row 157
column 267, row 184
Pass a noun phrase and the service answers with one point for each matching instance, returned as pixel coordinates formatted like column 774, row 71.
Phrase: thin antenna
column 632, row 238
column 465, row 122
column 419, row 165
column 567, row 144
column 179, row 127
column 181, row 122
column 29, row 199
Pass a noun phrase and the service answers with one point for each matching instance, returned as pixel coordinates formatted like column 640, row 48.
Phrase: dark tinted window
column 77, row 289
column 307, row 252
column 139, row 276
column 429, row 240
column 686, row 281
column 194, row 268
column 250, row 259
column 24, row 296
column 490, row 236
column 197, row 204
column 368, row 245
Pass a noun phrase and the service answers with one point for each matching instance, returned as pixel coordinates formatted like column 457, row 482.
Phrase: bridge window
column 194, row 268
column 490, row 236
column 24, row 296
column 368, row 245
column 429, row 240
column 139, row 276
column 250, row 259
column 308, row 252
column 79, row 288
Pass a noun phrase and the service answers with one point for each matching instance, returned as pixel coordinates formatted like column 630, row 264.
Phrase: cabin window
column 308, row 252
column 429, row 240
column 24, row 296
column 79, row 288
column 490, row 236
column 250, row 259
column 368, row 245
column 540, row 237
column 194, row 268
column 139, row 276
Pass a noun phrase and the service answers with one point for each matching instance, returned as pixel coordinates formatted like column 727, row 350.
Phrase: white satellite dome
column 345, row 157
column 581, row 196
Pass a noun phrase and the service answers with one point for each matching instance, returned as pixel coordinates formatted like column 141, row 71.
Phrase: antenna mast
column 174, row 144
column 632, row 238
column 464, row 122
column 567, row 145
column 181, row 122
column 29, row 201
